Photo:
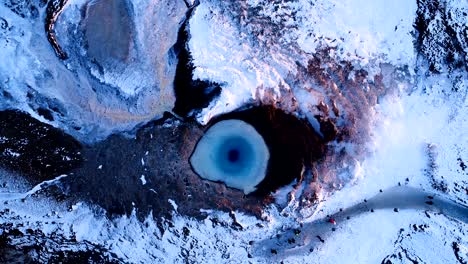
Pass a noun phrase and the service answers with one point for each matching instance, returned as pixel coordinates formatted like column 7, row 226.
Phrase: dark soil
column 38, row 151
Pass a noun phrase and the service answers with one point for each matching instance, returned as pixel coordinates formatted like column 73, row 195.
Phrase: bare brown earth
column 109, row 173
column 161, row 151
column 345, row 113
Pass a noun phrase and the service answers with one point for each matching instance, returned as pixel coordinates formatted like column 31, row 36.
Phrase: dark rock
column 109, row 173
column 46, row 113
column 456, row 250
column 191, row 95
column 440, row 39
column 15, row 247
column 321, row 239
column 24, row 8
column 39, row 151
column 53, row 10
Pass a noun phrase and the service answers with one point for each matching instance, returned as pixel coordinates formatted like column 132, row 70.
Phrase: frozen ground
column 417, row 141
column 256, row 45
column 88, row 100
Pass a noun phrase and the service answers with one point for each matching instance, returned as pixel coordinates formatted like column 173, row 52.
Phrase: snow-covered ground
column 88, row 102
column 256, row 45
column 418, row 139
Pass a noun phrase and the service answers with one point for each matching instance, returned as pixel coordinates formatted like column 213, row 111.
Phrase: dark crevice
column 458, row 255
column 46, row 113
column 53, row 10
column 189, row 5
column 191, row 95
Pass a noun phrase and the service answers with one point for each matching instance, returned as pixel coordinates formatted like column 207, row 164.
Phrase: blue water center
column 233, row 152
column 235, row 155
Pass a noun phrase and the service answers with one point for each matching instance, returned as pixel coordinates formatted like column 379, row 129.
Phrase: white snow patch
column 11, row 153
column 8, row 196
column 379, row 30
column 222, row 54
column 143, row 179
column 173, row 203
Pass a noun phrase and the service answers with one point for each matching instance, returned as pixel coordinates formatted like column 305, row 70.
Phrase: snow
column 418, row 139
column 8, row 196
column 378, row 31
column 221, row 54
column 404, row 125
column 87, row 106
column 143, row 179
column 224, row 51
column 173, row 203
column 146, row 68
column 11, row 153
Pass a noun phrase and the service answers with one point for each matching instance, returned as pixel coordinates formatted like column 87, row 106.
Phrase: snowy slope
column 256, row 45
column 412, row 136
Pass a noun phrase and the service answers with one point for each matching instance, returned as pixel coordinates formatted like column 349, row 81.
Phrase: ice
column 233, row 152
column 83, row 103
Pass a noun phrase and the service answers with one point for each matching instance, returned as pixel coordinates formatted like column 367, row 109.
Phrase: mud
column 112, row 175
column 108, row 31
